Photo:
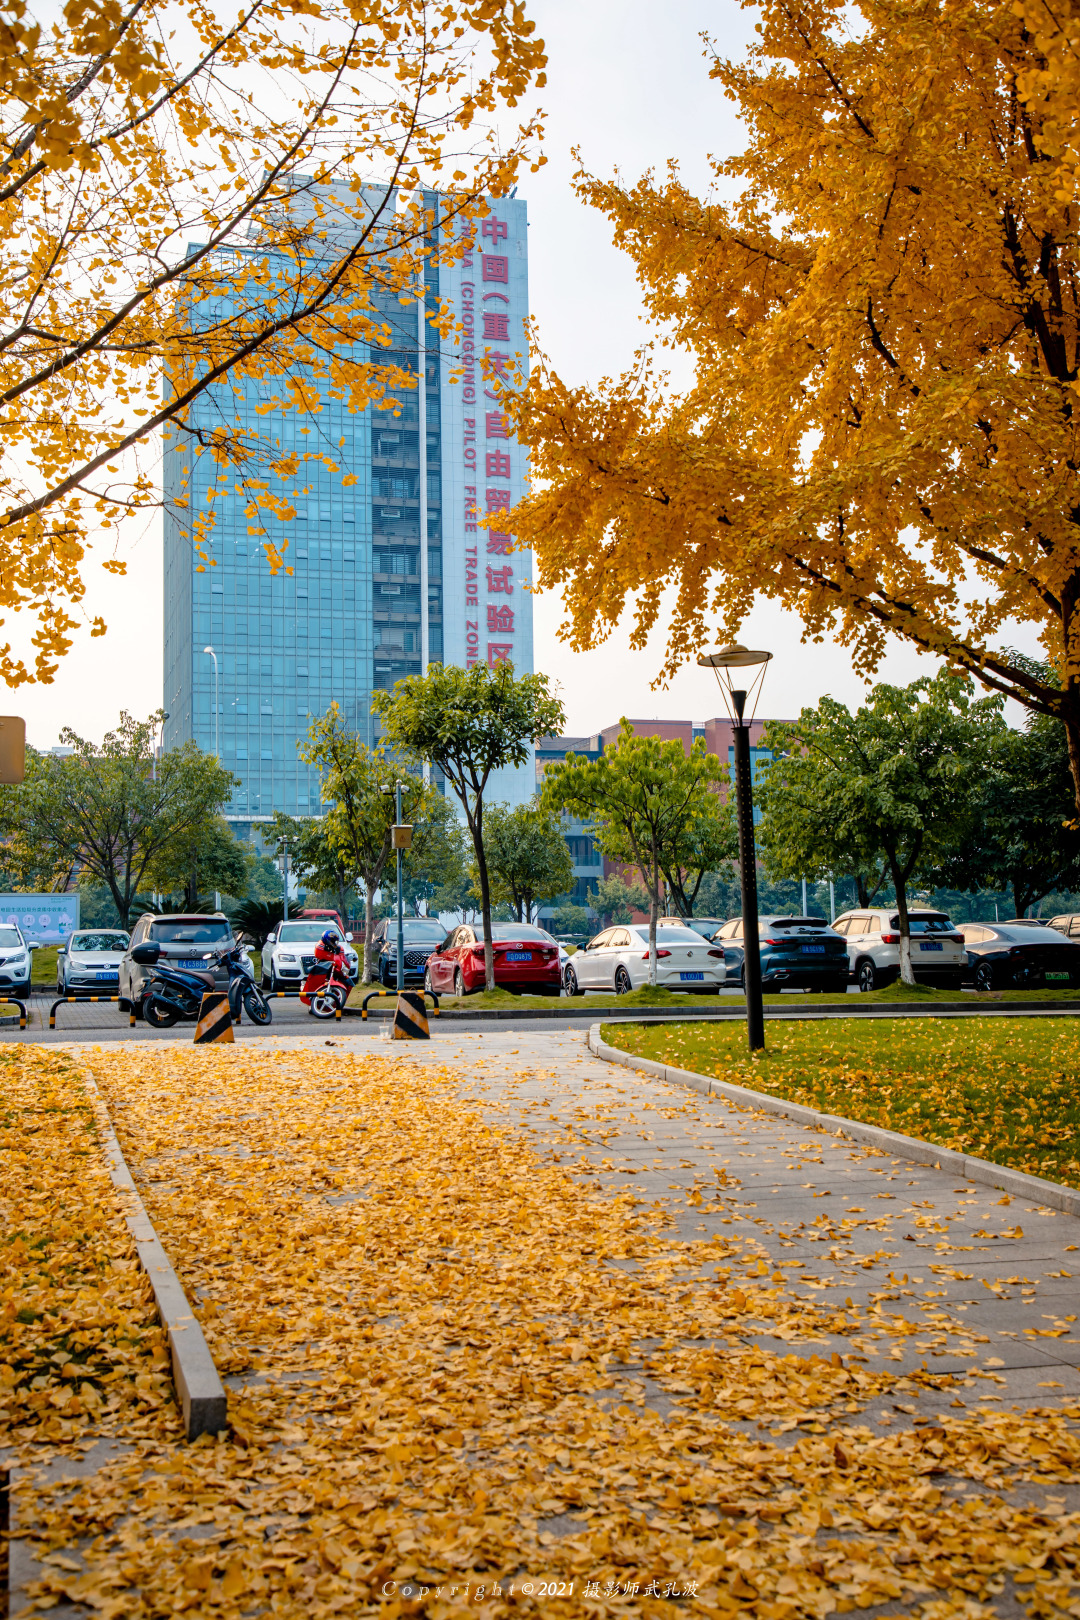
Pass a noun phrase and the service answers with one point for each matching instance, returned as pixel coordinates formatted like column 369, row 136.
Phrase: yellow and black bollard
column 215, row 1017
column 410, row 1019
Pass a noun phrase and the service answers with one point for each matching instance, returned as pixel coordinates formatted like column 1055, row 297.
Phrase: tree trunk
column 1071, row 723
column 907, row 973
column 654, row 911
column 476, row 827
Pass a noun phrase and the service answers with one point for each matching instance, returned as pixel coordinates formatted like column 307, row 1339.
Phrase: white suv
column 938, row 955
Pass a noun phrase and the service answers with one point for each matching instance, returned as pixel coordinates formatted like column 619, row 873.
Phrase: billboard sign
column 48, row 918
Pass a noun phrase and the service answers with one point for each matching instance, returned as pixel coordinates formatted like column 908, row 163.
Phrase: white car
column 288, row 955
column 15, row 960
column 938, row 954
column 90, row 962
column 618, row 959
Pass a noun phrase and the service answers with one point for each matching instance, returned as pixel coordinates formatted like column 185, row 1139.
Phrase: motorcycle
column 174, row 993
column 327, row 986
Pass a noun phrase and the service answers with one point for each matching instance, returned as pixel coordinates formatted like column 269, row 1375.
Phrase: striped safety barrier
column 375, row 995
column 410, row 1018
column 60, row 1000
column 215, row 1018
column 13, row 1001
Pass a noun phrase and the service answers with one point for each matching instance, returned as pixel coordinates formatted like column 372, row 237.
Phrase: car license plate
column 1057, row 976
column 691, row 975
column 819, row 949
column 116, row 975
column 519, row 956
column 191, row 962
column 936, row 945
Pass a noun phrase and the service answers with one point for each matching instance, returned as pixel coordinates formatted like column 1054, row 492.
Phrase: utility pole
column 400, row 915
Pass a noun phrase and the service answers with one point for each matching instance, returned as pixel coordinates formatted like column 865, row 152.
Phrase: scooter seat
column 201, row 973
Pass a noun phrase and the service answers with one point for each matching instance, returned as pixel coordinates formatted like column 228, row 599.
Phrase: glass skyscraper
column 390, row 573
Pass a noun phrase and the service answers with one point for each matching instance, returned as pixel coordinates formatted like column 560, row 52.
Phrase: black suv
column 422, row 936
column 184, row 940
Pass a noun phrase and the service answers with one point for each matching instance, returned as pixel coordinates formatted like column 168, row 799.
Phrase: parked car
column 422, row 936
column 1069, row 924
column 15, row 960
column 90, row 961
column 289, row 952
column 185, row 940
column 797, row 953
column 526, row 960
column 618, row 959
column 873, row 947
column 1025, row 954
column 707, row 927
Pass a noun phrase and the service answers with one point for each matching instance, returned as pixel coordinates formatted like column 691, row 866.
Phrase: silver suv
column 938, row 955
column 184, row 941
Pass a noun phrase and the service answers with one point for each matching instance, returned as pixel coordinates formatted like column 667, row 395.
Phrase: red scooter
column 327, row 986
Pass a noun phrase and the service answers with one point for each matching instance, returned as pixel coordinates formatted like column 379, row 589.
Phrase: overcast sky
column 629, row 85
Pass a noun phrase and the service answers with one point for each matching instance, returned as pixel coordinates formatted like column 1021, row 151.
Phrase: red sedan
column 526, row 960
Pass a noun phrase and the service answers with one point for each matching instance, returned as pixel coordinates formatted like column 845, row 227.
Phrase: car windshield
column 303, row 932
column 9, row 937
column 672, row 935
column 418, row 928
column 97, row 942
column 705, row 926
column 925, row 925
column 514, row 932
column 191, row 931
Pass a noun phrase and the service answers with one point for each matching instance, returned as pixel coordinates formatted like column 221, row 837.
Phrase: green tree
column 470, row 723
column 706, row 843
column 615, row 901
column 205, row 857
column 571, row 919
column 316, row 856
column 358, row 784
column 896, row 785
column 527, row 856
column 1026, row 836
column 642, row 794
column 436, row 863
column 113, row 811
column 806, row 829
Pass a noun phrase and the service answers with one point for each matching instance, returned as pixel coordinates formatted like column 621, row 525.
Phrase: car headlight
column 285, row 956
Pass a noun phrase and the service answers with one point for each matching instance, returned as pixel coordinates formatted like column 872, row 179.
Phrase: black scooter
column 174, row 993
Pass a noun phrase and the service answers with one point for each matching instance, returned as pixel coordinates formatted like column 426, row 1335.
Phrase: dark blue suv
column 422, row 936
column 797, row 953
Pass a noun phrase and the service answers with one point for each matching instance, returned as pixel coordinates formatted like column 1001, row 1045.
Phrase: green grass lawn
column 1003, row 1089
column 43, row 969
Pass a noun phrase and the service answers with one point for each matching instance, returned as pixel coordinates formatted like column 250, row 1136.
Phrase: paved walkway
column 844, row 1252
column 987, row 1284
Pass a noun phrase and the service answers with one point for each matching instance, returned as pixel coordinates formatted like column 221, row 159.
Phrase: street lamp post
column 400, row 911
column 727, row 659
column 213, row 655
column 401, row 839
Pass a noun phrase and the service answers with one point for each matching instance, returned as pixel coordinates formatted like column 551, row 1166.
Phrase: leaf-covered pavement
column 495, row 1316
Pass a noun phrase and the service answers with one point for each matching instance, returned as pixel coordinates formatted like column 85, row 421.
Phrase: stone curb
column 1015, row 1182
column 201, row 1392
column 737, row 1012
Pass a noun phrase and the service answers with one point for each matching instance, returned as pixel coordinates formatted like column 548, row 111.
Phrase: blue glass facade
column 364, row 605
